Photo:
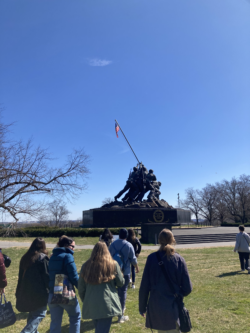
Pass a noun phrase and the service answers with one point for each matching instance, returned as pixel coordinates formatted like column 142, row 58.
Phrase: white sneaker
column 242, row 270
column 122, row 319
column 133, row 286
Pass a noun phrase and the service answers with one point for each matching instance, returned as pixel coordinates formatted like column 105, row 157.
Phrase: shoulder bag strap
column 161, row 264
column 245, row 239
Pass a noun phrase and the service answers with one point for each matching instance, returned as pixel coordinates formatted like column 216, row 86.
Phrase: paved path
column 7, row 244
column 208, row 231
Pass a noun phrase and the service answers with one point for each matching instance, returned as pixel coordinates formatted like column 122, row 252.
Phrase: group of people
column 102, row 283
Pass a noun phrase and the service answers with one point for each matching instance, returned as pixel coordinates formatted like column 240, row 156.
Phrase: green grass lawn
column 219, row 301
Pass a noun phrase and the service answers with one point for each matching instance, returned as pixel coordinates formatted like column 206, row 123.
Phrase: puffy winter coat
column 3, row 280
column 62, row 262
column 32, row 289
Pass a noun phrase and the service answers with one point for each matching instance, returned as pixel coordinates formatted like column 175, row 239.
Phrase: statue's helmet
column 151, row 171
column 135, row 168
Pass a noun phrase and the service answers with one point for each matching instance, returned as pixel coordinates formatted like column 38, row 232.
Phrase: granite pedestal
column 150, row 231
column 132, row 217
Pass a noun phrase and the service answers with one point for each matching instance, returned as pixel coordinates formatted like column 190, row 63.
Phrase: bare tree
column 236, row 194
column 191, row 202
column 207, row 199
column 107, row 201
column 58, row 211
column 26, row 176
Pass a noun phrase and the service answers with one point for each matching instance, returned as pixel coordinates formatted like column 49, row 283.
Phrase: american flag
column 117, row 128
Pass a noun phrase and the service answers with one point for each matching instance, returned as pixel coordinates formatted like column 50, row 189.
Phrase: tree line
column 225, row 201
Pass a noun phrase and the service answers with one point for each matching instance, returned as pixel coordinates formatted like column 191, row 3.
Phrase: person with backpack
column 106, row 237
column 33, row 282
column 99, row 278
column 123, row 252
column 62, row 263
column 3, row 280
column 156, row 296
column 132, row 239
column 242, row 246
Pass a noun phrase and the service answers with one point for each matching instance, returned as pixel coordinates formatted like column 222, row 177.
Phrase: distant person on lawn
column 107, row 237
column 126, row 250
column 132, row 239
column 155, row 296
column 242, row 246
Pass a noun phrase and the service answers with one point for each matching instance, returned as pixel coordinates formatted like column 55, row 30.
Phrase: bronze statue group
column 140, row 181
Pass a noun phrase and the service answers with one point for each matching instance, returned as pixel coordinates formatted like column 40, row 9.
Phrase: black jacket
column 32, row 289
column 136, row 245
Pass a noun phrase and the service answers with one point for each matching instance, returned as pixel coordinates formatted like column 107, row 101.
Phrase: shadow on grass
column 229, row 274
column 21, row 315
column 86, row 326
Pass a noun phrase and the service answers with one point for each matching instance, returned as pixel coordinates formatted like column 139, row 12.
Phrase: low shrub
column 58, row 232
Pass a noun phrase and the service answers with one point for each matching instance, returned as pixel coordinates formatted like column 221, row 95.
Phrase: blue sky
column 175, row 74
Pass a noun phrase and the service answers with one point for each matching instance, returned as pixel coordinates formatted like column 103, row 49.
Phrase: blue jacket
column 127, row 251
column 62, row 262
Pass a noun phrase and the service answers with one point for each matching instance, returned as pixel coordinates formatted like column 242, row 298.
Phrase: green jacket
column 101, row 300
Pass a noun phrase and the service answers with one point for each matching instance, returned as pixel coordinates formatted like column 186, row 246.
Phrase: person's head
column 241, row 228
column 37, row 247
column 131, row 236
column 151, row 171
column 166, row 241
column 100, row 267
column 65, row 241
column 135, row 169
column 159, row 184
column 106, row 234
column 123, row 233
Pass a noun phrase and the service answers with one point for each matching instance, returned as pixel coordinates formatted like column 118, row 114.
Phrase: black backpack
column 7, row 261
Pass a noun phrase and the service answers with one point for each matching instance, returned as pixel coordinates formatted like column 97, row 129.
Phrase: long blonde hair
column 100, row 267
column 166, row 240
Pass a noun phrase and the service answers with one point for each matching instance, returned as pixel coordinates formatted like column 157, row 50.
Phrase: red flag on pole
column 117, row 128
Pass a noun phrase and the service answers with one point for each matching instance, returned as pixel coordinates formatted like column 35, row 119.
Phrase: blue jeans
column 34, row 319
column 56, row 312
column 122, row 292
column 102, row 325
column 133, row 273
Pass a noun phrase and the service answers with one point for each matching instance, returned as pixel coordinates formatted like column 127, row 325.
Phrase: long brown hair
column 166, row 241
column 131, row 236
column 100, row 267
column 37, row 247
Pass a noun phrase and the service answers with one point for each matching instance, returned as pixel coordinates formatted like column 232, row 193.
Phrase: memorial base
column 150, row 231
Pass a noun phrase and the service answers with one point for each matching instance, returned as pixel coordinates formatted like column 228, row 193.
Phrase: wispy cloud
column 125, row 150
column 99, row 62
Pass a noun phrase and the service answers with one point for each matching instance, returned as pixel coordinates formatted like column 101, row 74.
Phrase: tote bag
column 63, row 291
column 7, row 315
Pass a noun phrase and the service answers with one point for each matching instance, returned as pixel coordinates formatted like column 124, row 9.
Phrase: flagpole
column 127, row 141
